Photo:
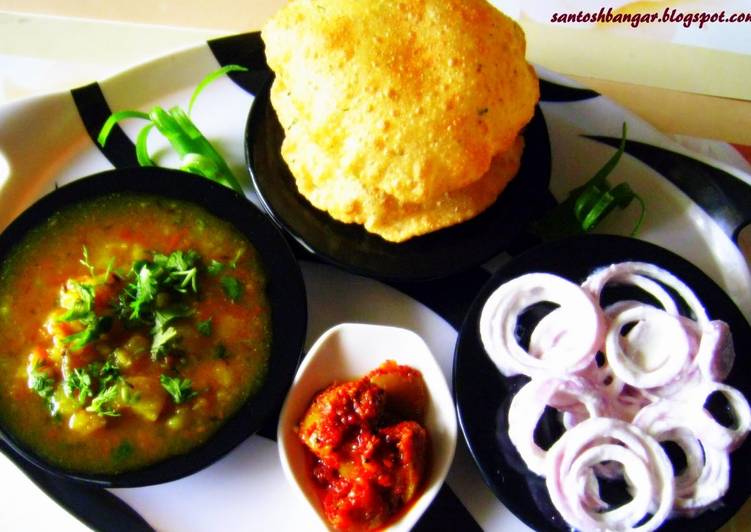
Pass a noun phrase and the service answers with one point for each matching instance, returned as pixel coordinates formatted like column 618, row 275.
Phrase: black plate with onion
column 483, row 394
column 284, row 289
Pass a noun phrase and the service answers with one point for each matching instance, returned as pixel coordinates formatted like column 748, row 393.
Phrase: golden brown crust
column 392, row 110
column 412, row 97
column 347, row 200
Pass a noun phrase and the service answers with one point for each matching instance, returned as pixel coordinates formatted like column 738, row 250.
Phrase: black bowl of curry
column 150, row 321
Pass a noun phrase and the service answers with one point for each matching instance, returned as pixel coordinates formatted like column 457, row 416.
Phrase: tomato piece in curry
column 367, row 448
column 131, row 328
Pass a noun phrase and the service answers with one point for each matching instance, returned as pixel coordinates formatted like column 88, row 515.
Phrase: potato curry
column 131, row 327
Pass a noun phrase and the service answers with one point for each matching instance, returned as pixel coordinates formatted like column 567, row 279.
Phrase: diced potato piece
column 222, row 374
column 84, row 423
column 406, row 393
column 411, row 440
column 123, row 359
column 337, row 409
column 145, row 397
column 179, row 419
column 65, row 405
column 136, row 345
column 226, row 326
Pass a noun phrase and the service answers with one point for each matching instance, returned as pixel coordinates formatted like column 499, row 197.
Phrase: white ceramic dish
column 347, row 352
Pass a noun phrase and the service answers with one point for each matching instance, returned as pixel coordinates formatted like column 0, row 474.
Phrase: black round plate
column 483, row 395
column 350, row 247
column 285, row 290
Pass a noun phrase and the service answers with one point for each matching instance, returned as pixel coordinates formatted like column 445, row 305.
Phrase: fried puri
column 346, row 199
column 394, row 110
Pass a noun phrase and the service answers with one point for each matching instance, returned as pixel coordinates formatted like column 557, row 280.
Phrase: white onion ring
column 646, row 468
column 528, row 405
column 627, row 272
column 725, row 438
column 569, row 353
column 716, row 354
column 707, row 474
column 652, row 387
column 647, row 318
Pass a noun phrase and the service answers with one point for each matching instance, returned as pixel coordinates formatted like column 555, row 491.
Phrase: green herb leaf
column 142, row 146
column 587, row 205
column 80, row 380
column 103, row 403
column 161, row 341
column 165, row 335
column 197, row 153
column 83, row 301
column 215, row 267
column 123, row 451
column 210, row 78
column 41, row 383
column 164, row 317
column 82, row 310
column 146, row 288
column 94, row 327
column 112, row 121
column 239, row 253
column 183, row 270
column 232, row 287
column 108, row 373
column 181, row 390
column 204, row 327
column 220, row 351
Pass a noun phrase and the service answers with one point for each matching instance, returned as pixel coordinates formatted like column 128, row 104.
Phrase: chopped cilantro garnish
column 42, row 383
column 79, row 380
column 83, row 301
column 95, row 376
column 94, row 327
column 108, row 373
column 164, row 334
column 181, row 270
column 215, row 267
column 162, row 339
column 146, row 288
column 164, row 317
column 220, row 351
column 204, row 327
column 103, row 402
column 82, row 311
column 123, row 451
column 181, row 390
column 177, row 273
column 232, row 287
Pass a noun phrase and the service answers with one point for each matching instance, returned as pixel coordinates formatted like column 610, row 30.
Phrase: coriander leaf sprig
column 197, row 154
column 181, row 390
column 41, row 382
